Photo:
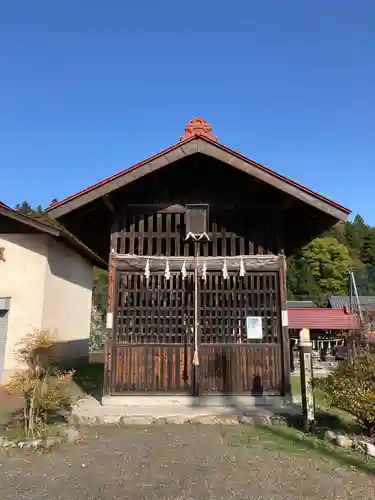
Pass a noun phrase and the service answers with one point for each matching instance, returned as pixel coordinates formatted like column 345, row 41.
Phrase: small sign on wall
column 254, row 327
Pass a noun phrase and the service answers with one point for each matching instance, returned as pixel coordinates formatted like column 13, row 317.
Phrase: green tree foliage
column 321, row 268
column 100, row 287
column 351, row 387
column 367, row 251
column 327, row 261
column 38, row 213
column 355, row 233
column 24, row 208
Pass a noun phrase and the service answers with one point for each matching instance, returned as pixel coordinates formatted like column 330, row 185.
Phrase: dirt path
column 178, row 462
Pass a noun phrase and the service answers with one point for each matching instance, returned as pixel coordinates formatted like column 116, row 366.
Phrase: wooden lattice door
column 230, row 362
column 153, row 343
column 153, row 333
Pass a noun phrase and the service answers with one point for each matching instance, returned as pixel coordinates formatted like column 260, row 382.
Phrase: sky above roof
column 90, row 87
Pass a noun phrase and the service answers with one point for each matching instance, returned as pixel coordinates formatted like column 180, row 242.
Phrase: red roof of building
column 199, row 128
column 323, row 319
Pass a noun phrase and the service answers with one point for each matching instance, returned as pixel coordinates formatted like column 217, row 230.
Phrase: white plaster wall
column 67, row 300
column 22, row 278
column 50, row 286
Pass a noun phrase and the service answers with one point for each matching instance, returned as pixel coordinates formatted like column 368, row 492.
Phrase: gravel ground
column 174, row 462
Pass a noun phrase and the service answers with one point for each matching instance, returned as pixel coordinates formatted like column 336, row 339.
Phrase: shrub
column 43, row 386
column 97, row 331
column 351, row 388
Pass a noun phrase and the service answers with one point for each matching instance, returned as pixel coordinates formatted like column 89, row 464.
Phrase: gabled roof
column 300, row 304
column 339, row 302
column 322, row 319
column 198, row 138
column 59, row 232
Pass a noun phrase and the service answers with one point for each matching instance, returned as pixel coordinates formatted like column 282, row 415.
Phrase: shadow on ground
column 90, row 379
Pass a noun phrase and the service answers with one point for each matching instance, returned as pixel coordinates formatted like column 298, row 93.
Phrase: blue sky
column 91, row 87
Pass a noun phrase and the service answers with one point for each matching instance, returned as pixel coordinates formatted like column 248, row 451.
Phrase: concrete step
column 90, row 411
column 185, row 401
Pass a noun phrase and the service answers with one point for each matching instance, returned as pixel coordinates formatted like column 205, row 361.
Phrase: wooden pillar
column 109, row 345
column 285, row 345
column 351, row 346
column 306, row 373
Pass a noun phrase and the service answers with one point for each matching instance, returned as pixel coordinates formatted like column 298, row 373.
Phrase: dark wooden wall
column 245, row 217
column 164, row 234
column 151, row 349
column 267, row 215
column 153, row 338
column 160, row 310
column 230, row 369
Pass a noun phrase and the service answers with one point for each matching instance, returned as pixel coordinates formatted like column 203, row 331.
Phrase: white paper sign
column 254, row 327
column 284, row 318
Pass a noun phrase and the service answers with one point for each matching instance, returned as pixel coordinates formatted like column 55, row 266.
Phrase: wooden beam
column 285, row 345
column 269, row 177
column 107, row 200
column 252, row 263
column 168, row 208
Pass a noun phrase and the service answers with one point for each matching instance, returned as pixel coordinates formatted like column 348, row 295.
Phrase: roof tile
column 322, row 319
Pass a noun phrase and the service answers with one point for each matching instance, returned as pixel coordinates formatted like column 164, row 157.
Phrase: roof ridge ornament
column 198, row 127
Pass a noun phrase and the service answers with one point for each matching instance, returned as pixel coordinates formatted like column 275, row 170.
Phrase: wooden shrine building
column 196, row 238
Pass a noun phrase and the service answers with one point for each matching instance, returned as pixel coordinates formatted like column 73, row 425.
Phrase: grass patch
column 326, row 416
column 296, row 385
column 321, row 402
column 320, row 398
column 290, row 441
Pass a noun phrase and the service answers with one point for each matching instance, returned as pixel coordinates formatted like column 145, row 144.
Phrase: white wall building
column 45, row 282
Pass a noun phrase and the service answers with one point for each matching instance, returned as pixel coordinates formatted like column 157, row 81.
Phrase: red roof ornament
column 198, row 127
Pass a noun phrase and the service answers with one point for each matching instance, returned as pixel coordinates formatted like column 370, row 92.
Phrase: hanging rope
column 225, row 270
column 167, row 272
column 183, row 270
column 240, row 263
column 147, row 270
column 204, row 272
column 195, row 361
column 242, row 268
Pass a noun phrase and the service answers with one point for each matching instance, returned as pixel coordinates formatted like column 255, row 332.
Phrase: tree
column 355, row 233
column 97, row 331
column 351, row 388
column 100, row 288
column 367, row 252
column 24, row 208
column 301, row 284
column 327, row 261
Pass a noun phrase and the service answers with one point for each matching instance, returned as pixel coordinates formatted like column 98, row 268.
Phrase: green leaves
column 320, row 270
column 351, row 388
